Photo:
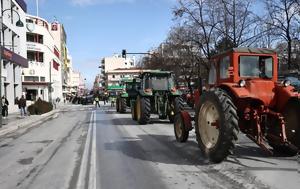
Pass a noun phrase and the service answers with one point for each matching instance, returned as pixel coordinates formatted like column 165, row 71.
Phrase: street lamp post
column 19, row 23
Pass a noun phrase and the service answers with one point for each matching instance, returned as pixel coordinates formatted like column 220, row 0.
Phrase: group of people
column 20, row 102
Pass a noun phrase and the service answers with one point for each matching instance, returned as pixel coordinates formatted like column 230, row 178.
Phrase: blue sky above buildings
column 98, row 28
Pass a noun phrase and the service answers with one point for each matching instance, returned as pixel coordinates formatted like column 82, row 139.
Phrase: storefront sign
column 33, row 47
column 14, row 58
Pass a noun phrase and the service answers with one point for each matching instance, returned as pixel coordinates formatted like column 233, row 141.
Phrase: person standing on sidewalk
column 5, row 104
column 22, row 105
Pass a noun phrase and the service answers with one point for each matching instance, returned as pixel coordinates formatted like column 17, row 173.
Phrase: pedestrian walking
column 97, row 100
column 5, row 104
column 22, row 106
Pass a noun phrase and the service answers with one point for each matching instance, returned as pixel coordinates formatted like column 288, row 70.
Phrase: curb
column 34, row 122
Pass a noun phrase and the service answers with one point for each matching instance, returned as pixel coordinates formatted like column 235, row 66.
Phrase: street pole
column 1, row 71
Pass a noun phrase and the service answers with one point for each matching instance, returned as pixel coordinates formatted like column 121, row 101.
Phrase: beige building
column 109, row 64
column 78, row 83
column 114, row 77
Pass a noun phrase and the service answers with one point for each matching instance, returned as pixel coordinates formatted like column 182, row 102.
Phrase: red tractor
column 243, row 94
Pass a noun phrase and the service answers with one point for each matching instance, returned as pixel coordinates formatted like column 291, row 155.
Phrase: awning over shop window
column 14, row 58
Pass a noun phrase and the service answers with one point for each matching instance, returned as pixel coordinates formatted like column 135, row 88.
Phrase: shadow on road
column 148, row 148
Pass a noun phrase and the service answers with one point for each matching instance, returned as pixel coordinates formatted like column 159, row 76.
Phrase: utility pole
column 37, row 8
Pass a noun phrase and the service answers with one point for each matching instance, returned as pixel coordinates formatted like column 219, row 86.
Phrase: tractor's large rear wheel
column 175, row 108
column 181, row 133
column 143, row 110
column 216, row 125
column 122, row 103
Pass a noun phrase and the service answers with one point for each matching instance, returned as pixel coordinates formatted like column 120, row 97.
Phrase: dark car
column 89, row 99
column 294, row 82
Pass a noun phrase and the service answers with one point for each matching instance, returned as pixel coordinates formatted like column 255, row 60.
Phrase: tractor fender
column 143, row 93
column 234, row 91
column 284, row 95
column 187, row 120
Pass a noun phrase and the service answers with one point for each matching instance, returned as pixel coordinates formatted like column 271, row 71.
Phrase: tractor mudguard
column 187, row 119
column 144, row 93
column 283, row 95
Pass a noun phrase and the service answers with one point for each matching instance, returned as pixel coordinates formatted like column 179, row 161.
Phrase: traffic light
column 123, row 53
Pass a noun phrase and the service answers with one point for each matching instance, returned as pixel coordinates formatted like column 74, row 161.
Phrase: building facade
column 13, row 49
column 43, row 77
column 112, row 63
column 78, row 84
column 114, row 77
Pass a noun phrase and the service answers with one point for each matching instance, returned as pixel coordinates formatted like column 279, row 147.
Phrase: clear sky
column 98, row 28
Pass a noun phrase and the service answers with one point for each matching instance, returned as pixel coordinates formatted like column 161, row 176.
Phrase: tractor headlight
column 286, row 83
column 242, row 83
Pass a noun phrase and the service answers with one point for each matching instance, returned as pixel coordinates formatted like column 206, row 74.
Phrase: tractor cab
column 158, row 81
column 243, row 64
column 158, row 95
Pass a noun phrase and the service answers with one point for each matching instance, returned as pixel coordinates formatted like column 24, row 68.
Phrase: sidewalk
column 15, row 121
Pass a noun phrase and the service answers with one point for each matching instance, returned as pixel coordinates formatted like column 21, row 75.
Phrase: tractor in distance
column 157, row 94
column 243, row 94
column 126, row 97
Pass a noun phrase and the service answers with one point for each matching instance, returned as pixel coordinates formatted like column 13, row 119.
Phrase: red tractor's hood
column 266, row 91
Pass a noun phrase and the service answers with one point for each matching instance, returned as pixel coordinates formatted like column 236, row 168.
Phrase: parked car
column 294, row 82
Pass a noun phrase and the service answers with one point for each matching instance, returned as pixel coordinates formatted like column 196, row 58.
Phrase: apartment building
column 43, row 77
column 112, row 63
column 13, row 48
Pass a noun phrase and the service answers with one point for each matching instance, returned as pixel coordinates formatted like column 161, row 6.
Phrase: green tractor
column 126, row 97
column 156, row 94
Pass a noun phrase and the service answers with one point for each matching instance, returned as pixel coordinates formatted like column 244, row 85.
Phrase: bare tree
column 238, row 23
column 283, row 20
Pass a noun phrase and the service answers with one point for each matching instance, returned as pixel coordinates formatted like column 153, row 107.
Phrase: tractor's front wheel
column 143, row 110
column 216, row 125
column 175, row 108
column 181, row 133
column 122, row 103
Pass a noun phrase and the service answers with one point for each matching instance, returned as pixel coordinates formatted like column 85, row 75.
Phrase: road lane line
column 85, row 155
column 93, row 168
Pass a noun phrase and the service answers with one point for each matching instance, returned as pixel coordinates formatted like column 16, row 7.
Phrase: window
column 30, row 37
column 256, row 66
column 35, row 56
column 31, row 78
column 35, row 38
column 31, row 56
column 42, row 79
column 224, row 65
column 113, row 76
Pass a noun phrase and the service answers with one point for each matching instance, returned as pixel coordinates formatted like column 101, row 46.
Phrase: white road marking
column 93, row 168
column 85, row 155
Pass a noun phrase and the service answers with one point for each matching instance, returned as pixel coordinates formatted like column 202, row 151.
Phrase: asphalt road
column 83, row 147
